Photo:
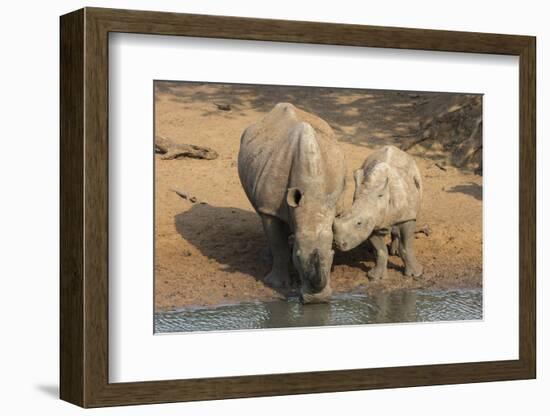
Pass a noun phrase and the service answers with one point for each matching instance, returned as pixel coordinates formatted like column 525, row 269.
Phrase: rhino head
column 312, row 252
column 311, row 198
column 369, row 209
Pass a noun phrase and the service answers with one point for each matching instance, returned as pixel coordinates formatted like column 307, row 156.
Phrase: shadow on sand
column 472, row 189
column 363, row 253
column 234, row 238
column 365, row 117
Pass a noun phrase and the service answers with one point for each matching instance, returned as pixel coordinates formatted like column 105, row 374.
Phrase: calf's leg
column 277, row 237
column 412, row 267
column 379, row 271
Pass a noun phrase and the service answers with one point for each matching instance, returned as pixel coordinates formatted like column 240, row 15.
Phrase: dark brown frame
column 84, row 207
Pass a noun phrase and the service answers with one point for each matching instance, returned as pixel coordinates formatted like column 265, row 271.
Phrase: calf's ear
column 294, row 197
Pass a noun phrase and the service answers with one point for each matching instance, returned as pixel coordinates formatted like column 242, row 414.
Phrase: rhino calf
column 293, row 173
column 388, row 193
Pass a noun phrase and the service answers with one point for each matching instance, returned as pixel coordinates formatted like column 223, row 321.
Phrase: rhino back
column 268, row 153
column 405, row 183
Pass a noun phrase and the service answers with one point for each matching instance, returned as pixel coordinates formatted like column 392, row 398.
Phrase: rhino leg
column 412, row 267
column 277, row 237
column 379, row 271
column 394, row 246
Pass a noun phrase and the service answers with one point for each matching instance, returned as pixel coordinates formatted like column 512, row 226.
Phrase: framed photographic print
column 256, row 207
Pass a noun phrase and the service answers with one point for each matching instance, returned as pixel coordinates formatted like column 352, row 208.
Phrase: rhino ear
column 294, row 197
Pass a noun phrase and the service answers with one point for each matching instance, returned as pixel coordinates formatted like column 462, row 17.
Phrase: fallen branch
column 409, row 146
column 171, row 150
column 162, row 144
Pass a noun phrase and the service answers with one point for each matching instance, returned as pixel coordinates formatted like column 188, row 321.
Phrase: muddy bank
column 213, row 250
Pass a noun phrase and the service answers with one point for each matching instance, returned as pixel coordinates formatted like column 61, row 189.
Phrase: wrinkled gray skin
column 293, row 173
column 388, row 193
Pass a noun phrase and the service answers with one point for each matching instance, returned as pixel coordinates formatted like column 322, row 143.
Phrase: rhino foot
column 377, row 273
column 413, row 270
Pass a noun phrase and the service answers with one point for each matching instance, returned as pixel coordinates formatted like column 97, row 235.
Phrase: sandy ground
column 214, row 251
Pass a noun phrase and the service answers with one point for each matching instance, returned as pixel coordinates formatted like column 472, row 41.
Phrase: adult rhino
column 388, row 193
column 293, row 173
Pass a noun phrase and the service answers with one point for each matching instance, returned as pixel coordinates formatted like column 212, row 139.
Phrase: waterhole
column 343, row 309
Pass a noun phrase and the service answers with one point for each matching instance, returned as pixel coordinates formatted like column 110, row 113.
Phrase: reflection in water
column 345, row 309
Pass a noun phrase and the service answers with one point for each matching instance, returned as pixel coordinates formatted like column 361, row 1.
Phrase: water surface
column 343, row 309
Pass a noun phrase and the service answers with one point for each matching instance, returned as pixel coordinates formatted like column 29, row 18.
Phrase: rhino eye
column 359, row 223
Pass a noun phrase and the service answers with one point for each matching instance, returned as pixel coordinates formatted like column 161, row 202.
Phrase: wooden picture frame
column 84, row 207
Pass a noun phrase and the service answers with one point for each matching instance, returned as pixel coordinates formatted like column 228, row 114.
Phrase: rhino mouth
column 315, row 281
column 319, row 297
column 343, row 246
column 315, row 278
column 347, row 245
